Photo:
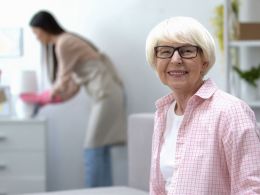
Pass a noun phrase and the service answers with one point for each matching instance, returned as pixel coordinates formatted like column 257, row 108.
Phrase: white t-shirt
column 167, row 155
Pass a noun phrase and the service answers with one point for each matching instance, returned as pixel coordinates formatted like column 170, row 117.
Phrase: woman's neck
column 181, row 103
column 182, row 98
column 54, row 38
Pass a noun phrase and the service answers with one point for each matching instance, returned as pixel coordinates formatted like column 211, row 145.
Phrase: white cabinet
column 22, row 156
column 236, row 54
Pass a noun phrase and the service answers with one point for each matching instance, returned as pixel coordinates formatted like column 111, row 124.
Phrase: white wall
column 119, row 28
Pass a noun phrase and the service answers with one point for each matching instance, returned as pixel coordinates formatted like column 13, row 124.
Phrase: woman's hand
column 65, row 90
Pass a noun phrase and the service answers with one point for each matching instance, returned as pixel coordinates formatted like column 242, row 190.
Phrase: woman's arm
column 67, row 56
column 242, row 150
column 66, row 89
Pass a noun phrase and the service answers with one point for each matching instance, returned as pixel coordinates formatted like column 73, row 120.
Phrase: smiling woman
column 178, row 77
column 197, row 143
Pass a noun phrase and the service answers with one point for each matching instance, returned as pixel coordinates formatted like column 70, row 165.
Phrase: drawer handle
column 2, row 138
column 2, row 166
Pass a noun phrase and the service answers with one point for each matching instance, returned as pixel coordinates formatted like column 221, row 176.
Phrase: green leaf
column 250, row 76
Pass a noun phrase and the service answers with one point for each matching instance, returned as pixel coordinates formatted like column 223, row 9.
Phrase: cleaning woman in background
column 77, row 62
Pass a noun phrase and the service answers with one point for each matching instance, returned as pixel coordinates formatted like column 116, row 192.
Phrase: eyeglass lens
column 184, row 51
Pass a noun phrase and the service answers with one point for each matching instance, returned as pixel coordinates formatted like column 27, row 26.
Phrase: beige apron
column 107, row 120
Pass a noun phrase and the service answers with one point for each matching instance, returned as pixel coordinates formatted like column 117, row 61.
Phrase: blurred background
column 119, row 28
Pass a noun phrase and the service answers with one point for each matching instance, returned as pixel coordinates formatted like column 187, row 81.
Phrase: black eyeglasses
column 187, row 51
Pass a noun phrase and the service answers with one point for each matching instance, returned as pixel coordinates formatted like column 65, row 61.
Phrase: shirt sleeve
column 67, row 90
column 242, row 150
column 67, row 57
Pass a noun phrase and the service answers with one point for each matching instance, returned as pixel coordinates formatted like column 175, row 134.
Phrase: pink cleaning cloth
column 41, row 99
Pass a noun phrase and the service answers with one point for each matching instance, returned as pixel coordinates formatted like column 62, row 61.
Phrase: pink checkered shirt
column 217, row 151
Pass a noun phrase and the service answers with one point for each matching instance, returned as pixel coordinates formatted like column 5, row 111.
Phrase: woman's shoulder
column 66, row 35
column 68, row 42
column 229, row 102
column 67, row 39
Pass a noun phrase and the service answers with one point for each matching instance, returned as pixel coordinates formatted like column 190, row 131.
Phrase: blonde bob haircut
column 183, row 30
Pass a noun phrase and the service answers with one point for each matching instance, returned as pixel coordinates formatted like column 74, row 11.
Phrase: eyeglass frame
column 177, row 48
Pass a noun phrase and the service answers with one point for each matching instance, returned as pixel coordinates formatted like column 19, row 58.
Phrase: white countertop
column 97, row 191
column 18, row 119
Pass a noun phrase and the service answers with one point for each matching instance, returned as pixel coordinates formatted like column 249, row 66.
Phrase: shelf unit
column 251, row 43
column 233, row 81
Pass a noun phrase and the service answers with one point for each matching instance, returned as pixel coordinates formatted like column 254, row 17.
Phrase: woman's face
column 41, row 35
column 180, row 74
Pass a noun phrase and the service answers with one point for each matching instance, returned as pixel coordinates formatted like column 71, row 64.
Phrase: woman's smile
column 177, row 73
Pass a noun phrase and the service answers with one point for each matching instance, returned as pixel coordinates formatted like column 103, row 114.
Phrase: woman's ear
column 204, row 68
column 205, row 65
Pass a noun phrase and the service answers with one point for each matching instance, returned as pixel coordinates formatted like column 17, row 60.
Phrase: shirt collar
column 205, row 92
column 207, row 89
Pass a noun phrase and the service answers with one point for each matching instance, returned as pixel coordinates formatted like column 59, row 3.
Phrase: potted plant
column 250, row 76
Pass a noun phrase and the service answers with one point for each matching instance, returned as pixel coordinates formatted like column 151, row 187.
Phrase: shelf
column 236, row 53
column 249, row 43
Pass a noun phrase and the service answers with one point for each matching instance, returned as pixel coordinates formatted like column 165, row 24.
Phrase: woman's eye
column 186, row 51
column 165, row 52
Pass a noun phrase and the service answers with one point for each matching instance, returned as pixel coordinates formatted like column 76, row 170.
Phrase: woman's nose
column 176, row 57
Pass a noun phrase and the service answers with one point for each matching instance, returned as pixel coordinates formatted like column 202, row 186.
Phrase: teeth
column 177, row 73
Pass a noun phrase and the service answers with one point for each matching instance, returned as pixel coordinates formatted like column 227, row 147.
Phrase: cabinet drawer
column 11, row 186
column 22, row 136
column 15, row 164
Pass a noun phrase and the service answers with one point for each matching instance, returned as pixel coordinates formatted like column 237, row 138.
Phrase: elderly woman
column 205, row 141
